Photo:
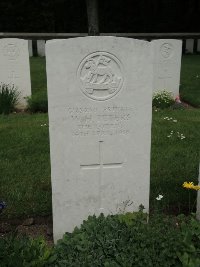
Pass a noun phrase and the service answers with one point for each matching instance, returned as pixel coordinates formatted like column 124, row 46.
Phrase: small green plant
column 190, row 254
column 8, row 98
column 163, row 99
column 38, row 102
column 23, row 252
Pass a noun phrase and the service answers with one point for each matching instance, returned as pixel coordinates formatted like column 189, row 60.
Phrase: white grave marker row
column 189, row 46
column 167, row 65
column 14, row 66
column 41, row 48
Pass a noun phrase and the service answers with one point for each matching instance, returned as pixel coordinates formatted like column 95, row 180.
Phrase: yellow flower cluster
column 190, row 185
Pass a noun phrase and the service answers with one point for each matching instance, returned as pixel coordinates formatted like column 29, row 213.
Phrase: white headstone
column 30, row 48
column 167, row 65
column 41, row 48
column 14, row 66
column 198, row 199
column 189, row 46
column 198, row 45
column 100, row 98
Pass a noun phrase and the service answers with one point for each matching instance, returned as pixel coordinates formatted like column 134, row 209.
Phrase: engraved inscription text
column 100, row 121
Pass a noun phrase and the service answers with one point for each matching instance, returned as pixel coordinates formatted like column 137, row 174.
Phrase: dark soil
column 32, row 227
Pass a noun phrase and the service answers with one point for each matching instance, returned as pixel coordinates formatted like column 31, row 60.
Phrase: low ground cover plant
column 9, row 96
column 128, row 240
column 23, row 252
column 163, row 99
column 116, row 240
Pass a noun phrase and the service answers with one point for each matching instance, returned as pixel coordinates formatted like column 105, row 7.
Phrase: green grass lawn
column 174, row 160
column 24, row 151
column 25, row 165
column 190, row 80
column 38, row 74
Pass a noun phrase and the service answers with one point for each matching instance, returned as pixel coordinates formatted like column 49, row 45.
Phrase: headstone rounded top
column 100, row 75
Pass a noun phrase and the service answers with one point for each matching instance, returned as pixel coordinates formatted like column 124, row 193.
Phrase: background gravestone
column 14, row 66
column 167, row 65
column 30, row 48
column 100, row 98
column 41, row 48
column 189, row 46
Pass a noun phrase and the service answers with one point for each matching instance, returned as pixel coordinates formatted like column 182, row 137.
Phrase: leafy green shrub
column 8, row 98
column 23, row 252
column 163, row 99
column 124, row 240
column 116, row 240
column 190, row 256
column 38, row 102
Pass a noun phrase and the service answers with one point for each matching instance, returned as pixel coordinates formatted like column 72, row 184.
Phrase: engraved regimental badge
column 166, row 50
column 11, row 51
column 100, row 75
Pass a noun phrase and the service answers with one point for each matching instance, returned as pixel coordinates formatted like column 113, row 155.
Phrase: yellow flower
column 196, row 187
column 190, row 185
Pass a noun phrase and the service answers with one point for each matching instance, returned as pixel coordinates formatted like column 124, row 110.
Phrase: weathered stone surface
column 100, row 98
column 14, row 66
column 167, row 65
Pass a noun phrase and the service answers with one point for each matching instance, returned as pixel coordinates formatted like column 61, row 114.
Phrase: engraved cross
column 100, row 165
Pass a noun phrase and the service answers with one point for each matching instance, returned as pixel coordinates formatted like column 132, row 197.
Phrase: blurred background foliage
column 114, row 16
